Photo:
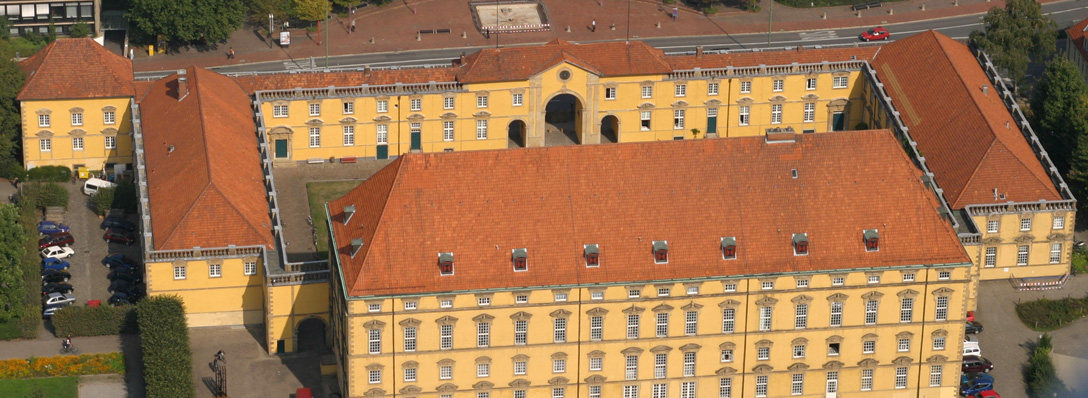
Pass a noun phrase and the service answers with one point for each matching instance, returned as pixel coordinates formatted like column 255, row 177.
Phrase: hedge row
column 164, row 337
column 95, row 321
column 45, row 195
column 67, row 365
column 49, row 174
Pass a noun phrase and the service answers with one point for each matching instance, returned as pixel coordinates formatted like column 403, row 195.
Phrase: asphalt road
column 1064, row 13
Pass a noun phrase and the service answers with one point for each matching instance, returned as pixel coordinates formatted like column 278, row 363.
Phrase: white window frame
column 944, row 275
column 1025, row 224
column 746, row 87
column 800, row 316
column 797, row 383
column 776, row 113
column 483, row 370
column 761, row 386
column 935, row 375
column 729, row 287
column 481, row 101
column 871, row 308
column 517, row 99
column 906, row 310
column 445, row 303
column 630, row 368
column 763, row 353
column 447, row 130
column 280, row 111
column 315, row 137
column 901, row 377
column 1022, row 253
column 632, row 326
column 45, row 145
column 941, row 308
column 521, row 332
column 109, row 117
column 689, row 364
column 661, row 363
column 765, row 317
column 992, row 226
column 249, row 268
column 374, row 308
column 77, row 118
column 838, row 281
column 349, row 135
column 729, row 320
column 445, row 372
column 681, row 90
column 745, row 117
column 483, row 334
column 868, row 347
column 481, row 129
column 315, row 109
column 609, row 93
column 810, row 83
column 179, row 273
column 799, row 351
column 1055, row 253
column 726, row 355
column 77, row 143
column 840, row 82
column 382, row 134
column 559, row 365
column 415, row 104
column 810, row 112
column 725, row 387
column 348, row 108
column 1058, row 223
column 447, row 103
column 410, row 374
column 939, row 343
column 778, row 85
column 903, row 345
column 110, row 142
column 596, row 363
column 559, row 330
column 374, row 341
column 866, row 380
column 215, row 270
column 596, row 328
column 410, row 334
column 691, row 323
column 687, row 389
column 445, row 337
column 836, row 313
column 647, row 91
column 662, row 324
column 712, row 89
column 374, row 376
column 596, row 295
column 382, row 106
column 678, row 119
column 559, row 297
column 644, row 120
column 44, row 121
column 908, row 277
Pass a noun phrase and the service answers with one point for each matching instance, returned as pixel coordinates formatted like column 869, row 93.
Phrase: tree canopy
column 311, row 10
column 1016, row 36
column 178, row 21
column 1060, row 110
column 12, row 254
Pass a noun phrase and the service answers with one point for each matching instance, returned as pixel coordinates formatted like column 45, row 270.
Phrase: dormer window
column 872, row 240
column 729, row 248
column 800, row 244
column 593, row 256
column 521, row 259
column 661, row 251
column 445, row 263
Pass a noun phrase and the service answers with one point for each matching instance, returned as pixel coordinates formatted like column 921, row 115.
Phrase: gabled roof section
column 284, row 81
column 1075, row 34
column 76, row 68
column 771, row 57
column 968, row 137
column 520, row 63
column 623, row 197
column 204, row 176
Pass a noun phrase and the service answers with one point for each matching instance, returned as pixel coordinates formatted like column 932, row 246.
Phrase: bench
column 433, row 31
column 859, row 7
column 348, row 159
column 874, row 4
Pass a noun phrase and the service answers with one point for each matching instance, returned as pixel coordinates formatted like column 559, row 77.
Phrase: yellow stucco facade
column 218, row 290
column 90, row 132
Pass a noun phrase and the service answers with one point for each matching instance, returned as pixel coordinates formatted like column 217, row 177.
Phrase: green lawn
column 1046, row 315
column 51, row 387
column 319, row 193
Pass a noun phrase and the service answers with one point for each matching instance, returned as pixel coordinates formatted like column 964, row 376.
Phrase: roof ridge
column 401, row 160
column 257, row 231
column 181, row 220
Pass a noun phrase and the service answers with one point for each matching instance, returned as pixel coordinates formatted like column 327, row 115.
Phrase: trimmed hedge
column 164, row 337
column 64, row 365
column 49, row 174
column 103, row 200
column 45, row 194
column 95, row 321
column 1046, row 315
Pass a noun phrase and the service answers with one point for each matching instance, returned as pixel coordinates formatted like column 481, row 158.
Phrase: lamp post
column 770, row 23
column 270, row 24
column 327, row 34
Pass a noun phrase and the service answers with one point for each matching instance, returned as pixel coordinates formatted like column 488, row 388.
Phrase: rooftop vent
column 356, row 245
column 985, row 89
column 445, row 263
column 729, row 248
column 779, row 134
column 793, row 172
column 349, row 211
column 800, row 244
column 520, row 258
column 661, row 251
column 592, row 255
column 872, row 240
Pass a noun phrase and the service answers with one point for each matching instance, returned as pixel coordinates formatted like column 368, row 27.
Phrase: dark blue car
column 117, row 222
column 983, row 382
column 55, row 264
column 119, row 261
column 51, row 227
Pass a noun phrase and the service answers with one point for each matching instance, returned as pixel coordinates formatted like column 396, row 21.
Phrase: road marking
column 819, row 35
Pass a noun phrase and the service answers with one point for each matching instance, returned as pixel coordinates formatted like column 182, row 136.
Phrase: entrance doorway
column 563, row 120
column 281, row 149
column 516, row 134
column 310, row 335
column 610, row 127
column 838, row 122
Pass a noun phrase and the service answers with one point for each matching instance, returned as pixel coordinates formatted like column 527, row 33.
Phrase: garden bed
column 67, row 365
column 1046, row 315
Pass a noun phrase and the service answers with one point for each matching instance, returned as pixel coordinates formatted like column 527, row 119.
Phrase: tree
column 79, row 29
column 1016, row 36
column 12, row 253
column 11, row 81
column 180, row 21
column 1060, row 109
column 310, row 10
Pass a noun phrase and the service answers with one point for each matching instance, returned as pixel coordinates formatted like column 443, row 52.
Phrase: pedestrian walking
column 593, row 26
column 221, row 356
column 230, row 54
column 15, row 182
column 675, row 13
column 353, row 26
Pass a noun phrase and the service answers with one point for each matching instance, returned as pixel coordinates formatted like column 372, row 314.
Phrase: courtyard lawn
column 1046, row 315
column 58, row 387
column 319, row 193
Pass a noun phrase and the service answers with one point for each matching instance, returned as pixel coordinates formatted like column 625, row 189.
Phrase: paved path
column 647, row 19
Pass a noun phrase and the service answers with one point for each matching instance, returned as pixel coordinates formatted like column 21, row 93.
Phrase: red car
column 57, row 239
column 117, row 235
column 970, row 316
column 986, row 394
column 877, row 33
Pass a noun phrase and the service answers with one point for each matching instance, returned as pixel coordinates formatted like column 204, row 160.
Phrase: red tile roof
column 521, row 63
column 76, row 68
column 969, row 139
column 204, row 174
column 783, row 57
column 283, row 81
column 1075, row 35
column 623, row 197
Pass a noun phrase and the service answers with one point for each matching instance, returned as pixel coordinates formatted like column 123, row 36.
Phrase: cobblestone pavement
column 251, row 372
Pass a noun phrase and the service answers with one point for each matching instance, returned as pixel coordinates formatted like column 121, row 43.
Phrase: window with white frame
column 77, row 119
column 483, row 394
column 763, row 353
column 634, row 293
column 662, row 324
column 521, row 332
column 761, row 386
column 866, row 380
column 906, row 309
column 516, row 99
column 45, row 144
column 1055, row 253
column 687, row 389
column 766, row 285
column 409, row 339
column 632, row 326
column 483, row 301
column 810, row 83
column 349, row 108
column 725, row 387
column 410, row 305
column 744, row 115
column 445, row 337
column 481, row 129
column 903, row 345
column 901, row 377
column 810, row 112
column 447, row 131
column 410, row 374
column 745, row 87
column 728, row 320
column 935, row 375
column 249, row 269
column 797, row 384
column 644, row 120
column 681, row 90
column 1059, row 223
column 610, row 93
column 374, row 307
column 111, row 142
column 560, row 297
column 776, row 113
column 1022, row 255
column 279, row 111
column 483, row 334
column 799, row 351
column 660, row 390
column 874, row 278
column 908, row 277
column 938, row 343
column 802, row 283
column 660, row 366
column 631, row 367
column 630, row 391
column 43, row 120
column 415, row 104
column 712, row 89
column 445, row 372
column 647, row 91
column 315, row 137
column 1025, row 224
column 727, row 355
column 868, row 347
column 678, row 119
column 594, row 392
column 778, row 85
column 942, row 308
column 692, row 290
column 481, row 101
column 447, row 103
column 870, row 312
column 383, row 106
column 179, row 272
column 944, row 275
column 596, row 328
column 689, row 364
column 729, row 287
column 483, row 370
column 991, row 226
column 215, row 270
column 691, row 323
column 765, row 318
column 77, row 143
column 832, row 382
column 559, row 365
column 560, row 330
column 559, row 392
column 836, row 313
column 349, row 135
column 315, row 109
column 374, row 376
column 445, row 303
column 840, row 82
column 374, row 340
column 109, row 117
column 838, row 281
column 663, row 292
column 800, row 316
column 596, row 363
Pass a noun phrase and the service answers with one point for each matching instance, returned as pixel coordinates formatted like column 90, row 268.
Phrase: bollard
column 956, row 3
column 923, row 7
column 859, row 14
column 613, row 27
column 568, row 28
column 891, row 11
column 371, row 40
column 419, row 37
column 658, row 24
column 825, row 15
column 464, row 35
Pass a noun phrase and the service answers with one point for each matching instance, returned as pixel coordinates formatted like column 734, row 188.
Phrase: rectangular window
column 483, row 370
column 610, row 93
column 596, row 363
column 349, row 135
column 1055, row 252
column 832, row 382
column 866, row 380
column 594, row 392
column 315, row 109
column 481, row 101
column 1022, row 255
column 764, row 318
column 687, row 389
column 647, row 91
column 634, row 293
column 942, row 308
column 776, row 113
column 838, row 281
column 560, row 335
column 766, row 285
column 383, row 106
column 445, row 372
column 744, row 115
column 903, row 345
column 1025, row 224
column 375, row 341
column 410, row 374
column 663, row 292
column 447, row 131
column 77, row 143
column 409, row 339
column 678, row 119
column 991, row 226
column 689, row 364
column 445, row 303
column 681, row 90
column 559, row 392
column 279, row 110
column 375, row 376
column 660, row 366
column 728, row 320
column 901, row 377
column 560, row 297
column 935, row 375
column 874, row 278
column 662, row 324
column 800, row 316
column 349, row 108
column 870, row 312
column 810, row 112
column 868, row 347
column 799, row 351
column 45, row 144
column 249, row 268
column 802, row 283
column 745, row 87
column 810, row 84
column 483, row 334
column 761, row 386
column 410, row 305
column 315, row 137
column 596, row 328
column 840, row 82
column 938, row 343
column 481, row 129
column 111, row 142
column 729, row 287
column 763, row 353
column 77, row 120
column 632, row 326
column 944, row 275
column 906, row 309
column 559, row 366
column 797, row 384
column 374, row 307
column 447, row 103
column 521, row 299
column 483, row 301
column 516, row 99
column 778, row 85
column 630, row 391
column 215, row 270
column 712, row 89
column 631, row 368
column 691, row 323
column 415, row 104
column 644, row 117
column 991, row 257
column 1059, row 223
column 483, row 395
column 836, row 313
column 179, row 272
column 445, row 337
column 109, row 117
column 692, row 290
column 727, row 356
column 725, row 387
column 43, row 120
column 521, row 332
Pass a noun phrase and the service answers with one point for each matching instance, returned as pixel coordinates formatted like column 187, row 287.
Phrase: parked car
column 976, row 385
column 117, row 222
column 115, row 260
column 54, row 263
column 57, row 252
column 121, row 299
column 986, row 394
column 117, row 235
column 49, row 310
column 970, row 316
column 973, row 327
column 126, row 287
column 129, row 277
column 51, row 227
column 57, row 288
column 58, row 298
column 57, row 239
column 54, row 276
column 877, row 33
column 975, row 363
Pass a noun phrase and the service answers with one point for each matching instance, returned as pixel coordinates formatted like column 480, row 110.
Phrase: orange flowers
column 86, row 364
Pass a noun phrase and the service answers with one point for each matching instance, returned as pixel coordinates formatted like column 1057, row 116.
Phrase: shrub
column 124, row 196
column 95, row 321
column 79, row 29
column 103, row 200
column 164, row 338
column 1080, row 261
column 1045, row 315
column 49, row 174
column 46, row 194
column 710, row 10
column 86, row 364
column 1042, row 380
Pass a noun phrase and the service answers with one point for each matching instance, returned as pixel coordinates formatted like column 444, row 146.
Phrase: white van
column 970, row 347
column 92, row 186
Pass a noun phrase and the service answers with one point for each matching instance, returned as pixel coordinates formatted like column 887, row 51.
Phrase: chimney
column 985, row 89
column 348, row 212
column 698, row 51
column 356, row 245
column 183, row 85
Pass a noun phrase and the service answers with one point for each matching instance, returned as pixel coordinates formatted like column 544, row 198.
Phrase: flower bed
column 86, row 364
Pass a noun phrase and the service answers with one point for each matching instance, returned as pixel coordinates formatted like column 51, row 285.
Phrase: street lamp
column 770, row 23
column 270, row 24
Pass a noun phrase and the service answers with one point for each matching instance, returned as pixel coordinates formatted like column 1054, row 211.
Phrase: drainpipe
column 399, row 138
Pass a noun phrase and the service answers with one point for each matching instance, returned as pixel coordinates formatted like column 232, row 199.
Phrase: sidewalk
column 409, row 16
column 47, row 346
